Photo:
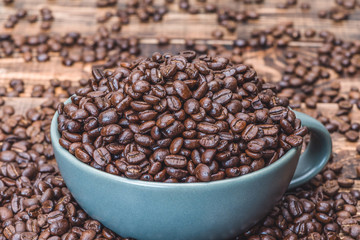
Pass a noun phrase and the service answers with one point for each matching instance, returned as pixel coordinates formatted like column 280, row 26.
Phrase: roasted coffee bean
column 176, row 145
column 250, row 132
column 294, row 140
column 135, row 157
column 331, row 187
column 256, row 145
column 59, row 227
column 168, row 71
column 141, row 86
column 182, row 89
column 176, row 173
column 175, row 161
column 237, row 125
column 222, row 96
column 352, row 136
column 174, row 103
column 203, row 173
column 108, row 117
column 5, row 213
column 111, row 129
column 133, row 171
column 82, row 155
column 345, row 182
column 207, row 128
column 232, row 172
column 165, row 121
column 144, row 140
column 7, row 156
column 102, row 156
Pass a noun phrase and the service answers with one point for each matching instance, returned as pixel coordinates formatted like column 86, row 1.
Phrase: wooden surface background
column 80, row 16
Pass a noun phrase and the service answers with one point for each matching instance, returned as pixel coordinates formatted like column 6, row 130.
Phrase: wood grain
column 81, row 16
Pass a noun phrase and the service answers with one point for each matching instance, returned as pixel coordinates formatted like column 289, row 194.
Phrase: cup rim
column 55, row 136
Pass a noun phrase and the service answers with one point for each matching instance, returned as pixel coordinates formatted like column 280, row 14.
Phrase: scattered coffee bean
column 352, row 136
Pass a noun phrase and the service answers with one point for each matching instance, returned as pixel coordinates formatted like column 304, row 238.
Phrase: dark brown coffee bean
column 176, row 145
column 210, row 141
column 135, row 157
column 7, row 156
column 165, row 121
column 323, row 218
column 168, row 71
column 208, row 156
column 176, row 173
column 175, row 161
column 323, row 206
column 256, row 145
column 144, row 140
column 223, row 96
column 133, row 171
column 111, row 129
column 276, row 113
column 345, row 182
column 174, row 103
column 232, row 172
column 207, row 128
column 201, row 91
column 237, row 125
column 331, row 187
column 82, row 155
column 102, row 156
column 59, row 227
column 141, row 86
column 294, row 140
column 108, row 117
column 88, row 234
column 175, row 129
column 352, row 136
column 5, row 214
column 182, row 89
column 250, row 132
column 203, row 173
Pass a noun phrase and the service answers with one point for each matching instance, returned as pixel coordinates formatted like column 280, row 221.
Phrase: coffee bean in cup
column 178, row 118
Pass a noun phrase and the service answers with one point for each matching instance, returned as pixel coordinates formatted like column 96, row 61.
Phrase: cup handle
column 315, row 155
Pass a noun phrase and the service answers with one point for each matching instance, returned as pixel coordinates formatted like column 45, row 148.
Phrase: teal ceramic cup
column 214, row 210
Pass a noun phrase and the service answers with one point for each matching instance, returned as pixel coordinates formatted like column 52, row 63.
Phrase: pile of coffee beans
column 318, row 210
column 178, row 119
column 34, row 201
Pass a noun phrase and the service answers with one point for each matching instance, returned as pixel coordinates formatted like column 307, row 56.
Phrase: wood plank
column 79, row 16
column 269, row 64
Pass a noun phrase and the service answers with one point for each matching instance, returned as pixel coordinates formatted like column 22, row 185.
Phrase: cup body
column 149, row 210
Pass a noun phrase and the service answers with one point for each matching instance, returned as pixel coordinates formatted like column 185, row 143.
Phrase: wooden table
column 81, row 16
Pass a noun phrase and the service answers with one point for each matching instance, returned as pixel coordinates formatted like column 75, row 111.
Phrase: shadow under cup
column 214, row 210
